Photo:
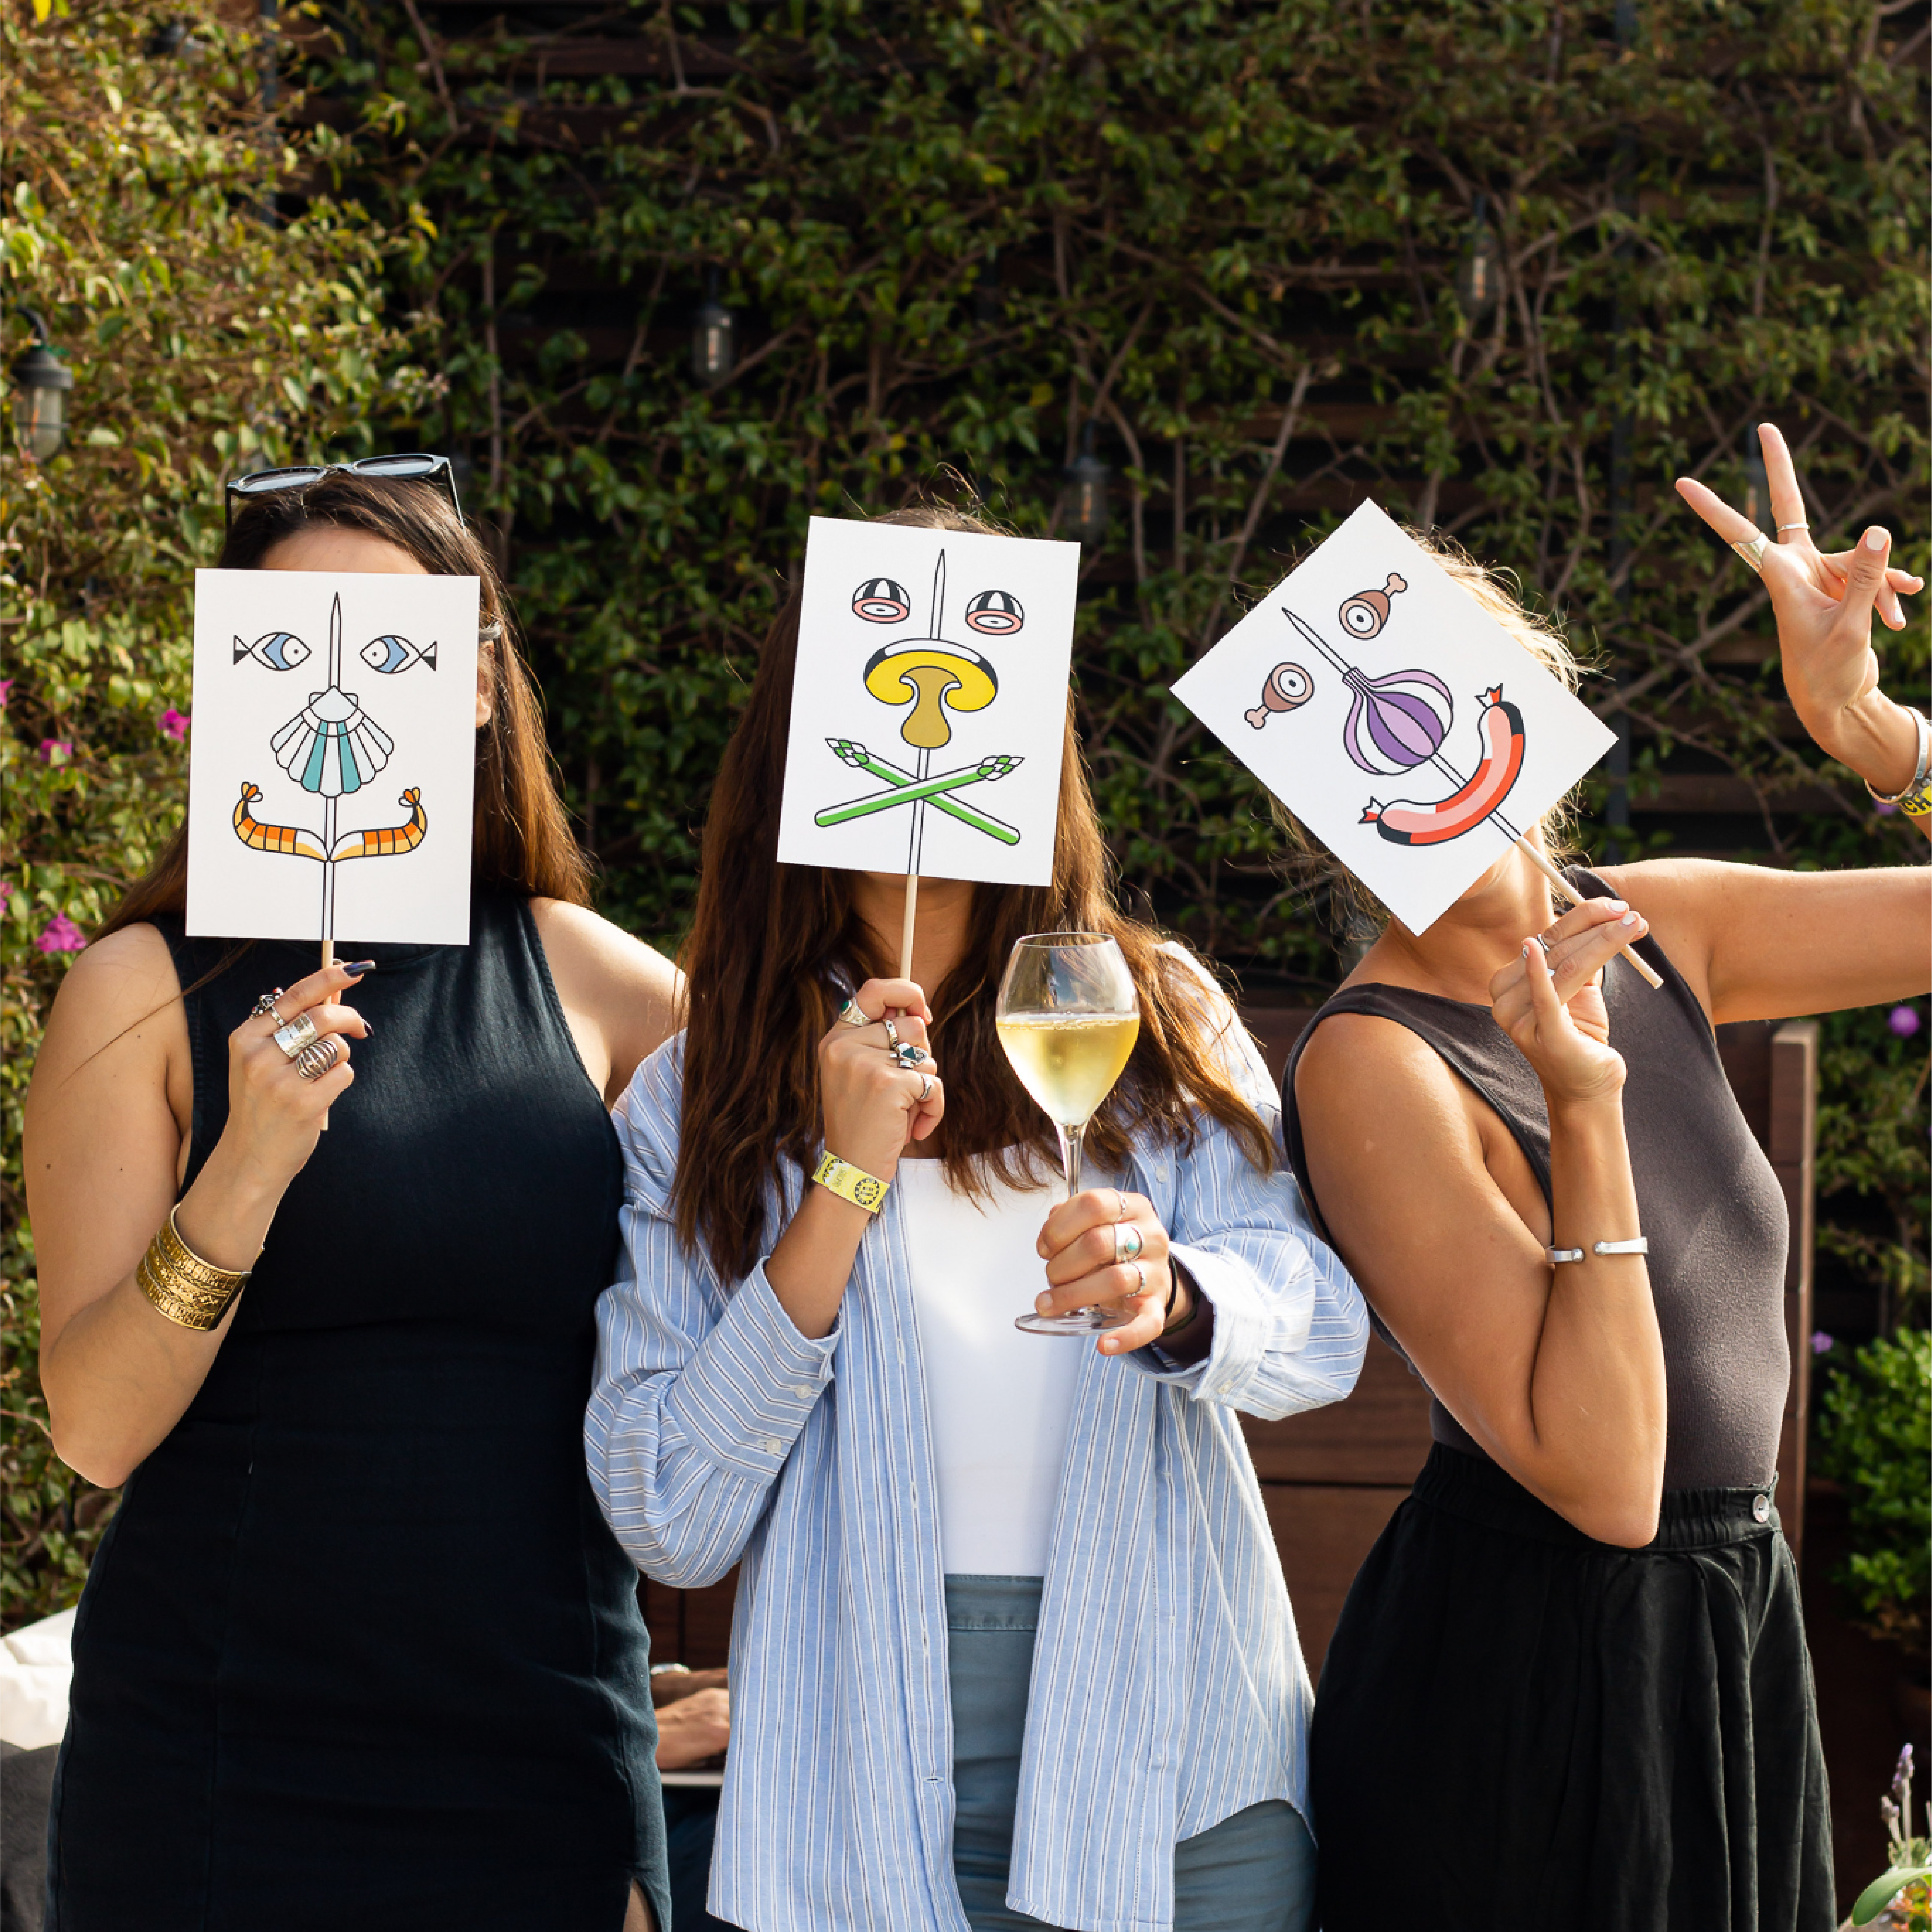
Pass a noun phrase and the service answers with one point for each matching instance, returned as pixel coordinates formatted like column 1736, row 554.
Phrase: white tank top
column 999, row 1401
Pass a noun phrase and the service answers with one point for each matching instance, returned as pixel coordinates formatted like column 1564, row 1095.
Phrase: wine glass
column 1067, row 1017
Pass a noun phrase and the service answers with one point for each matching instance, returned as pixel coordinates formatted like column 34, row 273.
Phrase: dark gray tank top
column 1708, row 1199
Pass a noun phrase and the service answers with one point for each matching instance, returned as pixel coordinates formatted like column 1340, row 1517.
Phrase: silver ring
column 1127, row 1243
column 926, row 1086
column 1543, row 942
column 1141, row 1272
column 1783, row 527
column 906, row 1054
column 300, row 1031
column 1752, row 549
column 318, row 1056
column 891, row 1034
column 852, row 1016
column 1120, row 1206
column 265, row 1006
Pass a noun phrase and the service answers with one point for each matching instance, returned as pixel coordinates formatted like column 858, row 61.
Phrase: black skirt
column 1518, row 1727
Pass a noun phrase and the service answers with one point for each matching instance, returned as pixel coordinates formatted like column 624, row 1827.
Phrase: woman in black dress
column 357, row 1651
column 1569, row 1686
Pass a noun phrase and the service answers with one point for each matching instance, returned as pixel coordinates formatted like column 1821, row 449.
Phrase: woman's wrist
column 226, row 1215
column 1877, row 739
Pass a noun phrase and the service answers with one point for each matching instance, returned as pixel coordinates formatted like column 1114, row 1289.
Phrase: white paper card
column 332, row 760
column 1394, row 716
column 933, row 663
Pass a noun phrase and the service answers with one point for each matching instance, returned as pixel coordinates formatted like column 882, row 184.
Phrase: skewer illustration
column 331, row 748
column 1398, row 721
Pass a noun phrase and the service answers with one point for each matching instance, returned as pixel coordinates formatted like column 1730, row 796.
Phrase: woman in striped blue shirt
column 1012, row 1647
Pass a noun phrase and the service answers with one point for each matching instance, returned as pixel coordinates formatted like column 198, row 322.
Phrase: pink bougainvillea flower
column 6, row 690
column 1822, row 1344
column 1904, row 1021
column 175, row 723
column 1882, row 809
column 6, row 892
column 62, row 935
column 56, row 751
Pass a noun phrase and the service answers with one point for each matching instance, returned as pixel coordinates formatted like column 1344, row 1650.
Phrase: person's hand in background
column 694, row 1709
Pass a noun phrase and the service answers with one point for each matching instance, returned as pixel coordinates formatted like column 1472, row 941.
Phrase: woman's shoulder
column 631, row 992
column 120, row 991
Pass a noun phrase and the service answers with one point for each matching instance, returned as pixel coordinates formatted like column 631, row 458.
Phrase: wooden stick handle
column 1573, row 898
column 905, row 933
column 328, row 960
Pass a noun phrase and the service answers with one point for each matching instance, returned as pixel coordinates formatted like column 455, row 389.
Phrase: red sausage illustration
column 1405, row 822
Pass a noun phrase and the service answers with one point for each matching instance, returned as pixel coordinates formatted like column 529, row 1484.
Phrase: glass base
column 1082, row 1321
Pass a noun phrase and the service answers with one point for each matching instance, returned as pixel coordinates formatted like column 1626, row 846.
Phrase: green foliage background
column 956, row 236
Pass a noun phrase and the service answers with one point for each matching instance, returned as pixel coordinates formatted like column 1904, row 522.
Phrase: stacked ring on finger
column 891, row 1034
column 1752, row 549
column 850, row 1014
column 908, row 1055
column 318, row 1056
column 926, row 1086
column 1127, row 1243
column 300, row 1031
column 265, row 1007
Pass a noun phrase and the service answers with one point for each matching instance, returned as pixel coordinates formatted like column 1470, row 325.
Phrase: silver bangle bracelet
column 1922, row 769
column 1558, row 1256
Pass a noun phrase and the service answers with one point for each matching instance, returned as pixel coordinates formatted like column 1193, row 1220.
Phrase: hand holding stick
column 1560, row 884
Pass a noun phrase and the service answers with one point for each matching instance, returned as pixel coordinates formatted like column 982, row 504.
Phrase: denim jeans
column 1254, row 1872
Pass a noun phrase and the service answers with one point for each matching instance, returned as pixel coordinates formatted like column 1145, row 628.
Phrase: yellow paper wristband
column 851, row 1183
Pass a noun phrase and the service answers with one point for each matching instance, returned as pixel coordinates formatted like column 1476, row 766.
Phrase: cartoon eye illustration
column 389, row 655
column 1366, row 611
column 880, row 601
column 278, row 650
column 996, row 613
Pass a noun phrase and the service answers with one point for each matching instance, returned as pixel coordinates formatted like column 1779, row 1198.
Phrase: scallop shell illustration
column 1363, row 615
column 332, row 746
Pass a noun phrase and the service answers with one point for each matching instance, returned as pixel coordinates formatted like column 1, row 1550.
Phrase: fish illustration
column 279, row 650
column 389, row 655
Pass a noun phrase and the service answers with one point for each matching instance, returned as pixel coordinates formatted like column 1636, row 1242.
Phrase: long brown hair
column 521, row 840
column 774, row 946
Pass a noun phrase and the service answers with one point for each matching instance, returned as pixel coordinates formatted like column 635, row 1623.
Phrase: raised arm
column 1557, row 1371
column 1823, row 601
column 107, row 1120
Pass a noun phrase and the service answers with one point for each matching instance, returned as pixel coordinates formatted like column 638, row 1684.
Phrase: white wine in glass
column 1067, row 1017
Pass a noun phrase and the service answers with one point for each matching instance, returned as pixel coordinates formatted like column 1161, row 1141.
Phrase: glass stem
column 1069, row 1156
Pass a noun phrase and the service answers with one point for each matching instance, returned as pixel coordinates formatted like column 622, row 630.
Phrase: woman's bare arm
column 622, row 1000
column 106, row 1122
column 1558, row 1372
column 1756, row 943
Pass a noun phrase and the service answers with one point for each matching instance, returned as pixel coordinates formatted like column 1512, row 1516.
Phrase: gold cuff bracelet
column 191, row 1292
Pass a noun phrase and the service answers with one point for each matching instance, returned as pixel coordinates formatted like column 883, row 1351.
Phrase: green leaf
column 1882, row 1892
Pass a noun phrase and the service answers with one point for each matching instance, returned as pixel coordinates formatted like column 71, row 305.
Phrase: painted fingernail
column 1615, row 905
column 1875, row 538
column 1042, row 1304
column 1628, row 919
column 368, row 1026
column 1529, row 947
column 360, row 967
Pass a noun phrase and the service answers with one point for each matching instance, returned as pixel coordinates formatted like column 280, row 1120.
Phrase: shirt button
column 1761, row 1508
column 770, row 1444
column 803, row 1392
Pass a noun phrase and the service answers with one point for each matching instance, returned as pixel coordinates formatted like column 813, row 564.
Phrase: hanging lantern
column 714, row 338
column 1479, row 276
column 1757, row 482
column 1086, row 498
column 41, row 381
column 988, row 297
column 1396, row 722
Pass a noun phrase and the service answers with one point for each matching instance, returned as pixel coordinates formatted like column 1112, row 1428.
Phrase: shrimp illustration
column 385, row 841
column 289, row 841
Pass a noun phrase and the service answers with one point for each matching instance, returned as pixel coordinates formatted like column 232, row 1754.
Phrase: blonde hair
column 1311, row 869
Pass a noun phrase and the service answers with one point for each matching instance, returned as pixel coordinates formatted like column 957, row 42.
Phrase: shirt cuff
column 1243, row 1325
column 744, row 1394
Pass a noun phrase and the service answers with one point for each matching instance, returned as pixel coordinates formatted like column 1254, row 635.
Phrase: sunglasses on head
column 413, row 466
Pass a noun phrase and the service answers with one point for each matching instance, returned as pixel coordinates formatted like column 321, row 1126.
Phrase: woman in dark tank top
column 1569, row 1687
column 357, row 1651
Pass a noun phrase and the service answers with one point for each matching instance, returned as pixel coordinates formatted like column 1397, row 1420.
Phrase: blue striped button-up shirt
column 1169, row 1689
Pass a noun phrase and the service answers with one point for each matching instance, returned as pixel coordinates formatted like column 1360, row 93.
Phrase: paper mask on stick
column 289, row 783
column 936, row 696
column 1396, row 719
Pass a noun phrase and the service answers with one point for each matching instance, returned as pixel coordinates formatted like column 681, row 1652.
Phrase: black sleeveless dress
column 1518, row 1728
column 358, row 1652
